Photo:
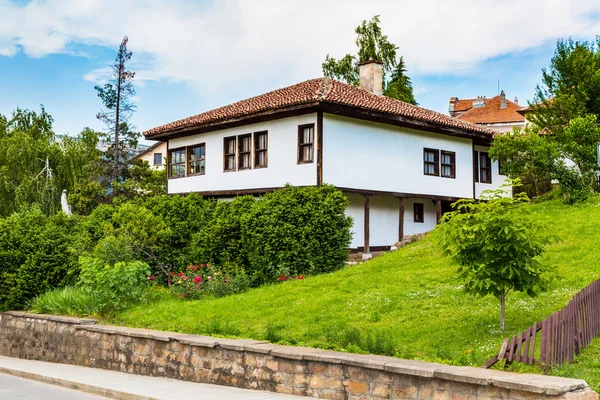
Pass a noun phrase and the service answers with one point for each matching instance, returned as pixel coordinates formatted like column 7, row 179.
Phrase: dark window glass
column 306, row 136
column 418, row 212
column 157, row 158
column 485, row 168
column 177, row 163
column 431, row 162
column 448, row 159
column 245, row 143
column 229, row 154
column 260, row 150
column 197, row 160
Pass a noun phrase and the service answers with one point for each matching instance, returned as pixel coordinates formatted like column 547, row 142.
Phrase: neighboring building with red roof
column 496, row 113
column 399, row 165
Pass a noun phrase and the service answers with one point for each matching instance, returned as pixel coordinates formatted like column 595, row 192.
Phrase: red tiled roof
column 317, row 91
column 491, row 113
column 463, row 105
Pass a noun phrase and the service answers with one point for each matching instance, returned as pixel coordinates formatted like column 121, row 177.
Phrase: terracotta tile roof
column 463, row 104
column 491, row 113
column 317, row 91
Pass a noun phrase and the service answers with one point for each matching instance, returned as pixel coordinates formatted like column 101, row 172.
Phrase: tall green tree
column 373, row 45
column 562, row 140
column 116, row 95
column 570, row 87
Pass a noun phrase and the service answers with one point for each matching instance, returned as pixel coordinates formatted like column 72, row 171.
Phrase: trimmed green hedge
column 37, row 253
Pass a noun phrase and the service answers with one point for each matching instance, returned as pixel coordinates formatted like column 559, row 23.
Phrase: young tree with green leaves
column 497, row 244
column 373, row 45
column 117, row 96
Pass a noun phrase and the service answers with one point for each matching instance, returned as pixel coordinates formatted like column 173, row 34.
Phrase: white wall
column 282, row 167
column 497, row 179
column 384, row 218
column 384, row 213
column 356, row 211
column 429, row 217
column 367, row 155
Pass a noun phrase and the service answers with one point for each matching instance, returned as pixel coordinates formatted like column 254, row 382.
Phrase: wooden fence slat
column 525, row 357
column 563, row 334
column 517, row 357
column 533, row 332
column 544, row 342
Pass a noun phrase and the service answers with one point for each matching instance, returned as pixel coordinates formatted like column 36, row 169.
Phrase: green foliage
column 372, row 45
column 570, row 86
column 297, row 231
column 118, row 286
column 37, row 253
column 207, row 280
column 497, row 244
column 540, row 157
column 290, row 232
column 528, row 155
column 74, row 301
column 400, row 87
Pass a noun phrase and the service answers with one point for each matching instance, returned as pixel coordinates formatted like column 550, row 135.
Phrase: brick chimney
column 453, row 101
column 502, row 99
column 371, row 77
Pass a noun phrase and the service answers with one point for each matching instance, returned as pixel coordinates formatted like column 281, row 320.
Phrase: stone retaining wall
column 260, row 365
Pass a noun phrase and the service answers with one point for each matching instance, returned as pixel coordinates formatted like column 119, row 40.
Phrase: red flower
column 282, row 278
column 169, row 281
column 300, row 277
column 151, row 278
column 198, row 279
column 172, row 273
column 180, row 274
column 185, row 295
column 203, row 265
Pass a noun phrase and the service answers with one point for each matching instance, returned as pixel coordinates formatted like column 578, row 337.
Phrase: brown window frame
column 170, row 163
column 226, row 154
column 488, row 169
column 197, row 161
column 301, row 145
column 257, row 150
column 418, row 213
column 475, row 165
column 436, row 161
column 241, row 153
column 452, row 166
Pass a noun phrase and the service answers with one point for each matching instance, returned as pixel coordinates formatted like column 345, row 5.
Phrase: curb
column 82, row 387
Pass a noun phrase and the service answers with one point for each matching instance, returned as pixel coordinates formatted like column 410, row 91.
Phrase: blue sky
column 192, row 56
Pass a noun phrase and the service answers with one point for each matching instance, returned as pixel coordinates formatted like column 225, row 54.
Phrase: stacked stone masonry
column 260, row 365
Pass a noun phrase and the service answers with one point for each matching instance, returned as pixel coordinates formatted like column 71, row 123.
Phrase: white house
column 155, row 155
column 400, row 165
column 496, row 113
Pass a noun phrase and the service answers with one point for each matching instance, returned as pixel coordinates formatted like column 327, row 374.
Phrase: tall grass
column 70, row 300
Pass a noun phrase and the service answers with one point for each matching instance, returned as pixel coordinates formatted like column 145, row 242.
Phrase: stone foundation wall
column 260, row 365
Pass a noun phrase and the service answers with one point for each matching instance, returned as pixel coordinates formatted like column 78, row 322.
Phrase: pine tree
column 116, row 96
column 400, row 86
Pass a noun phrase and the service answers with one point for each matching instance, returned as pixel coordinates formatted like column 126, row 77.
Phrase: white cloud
column 212, row 44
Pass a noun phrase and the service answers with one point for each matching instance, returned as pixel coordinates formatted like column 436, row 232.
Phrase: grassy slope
column 409, row 300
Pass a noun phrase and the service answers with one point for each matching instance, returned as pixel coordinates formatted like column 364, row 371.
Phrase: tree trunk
column 502, row 309
column 116, row 154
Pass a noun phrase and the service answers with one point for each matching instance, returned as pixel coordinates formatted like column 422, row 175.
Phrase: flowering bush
column 201, row 280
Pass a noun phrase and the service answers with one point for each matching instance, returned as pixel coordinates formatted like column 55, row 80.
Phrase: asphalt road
column 12, row 387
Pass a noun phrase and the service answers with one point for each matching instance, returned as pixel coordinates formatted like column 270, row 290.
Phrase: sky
column 193, row 56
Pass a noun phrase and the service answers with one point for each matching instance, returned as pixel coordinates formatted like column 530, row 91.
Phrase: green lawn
column 406, row 303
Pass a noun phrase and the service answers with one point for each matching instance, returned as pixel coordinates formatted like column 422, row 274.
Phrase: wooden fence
column 562, row 335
